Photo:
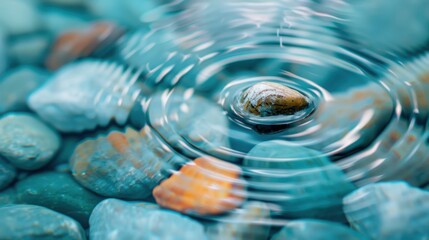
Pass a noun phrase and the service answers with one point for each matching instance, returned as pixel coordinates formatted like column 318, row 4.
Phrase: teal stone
column 16, row 85
column 389, row 210
column 123, row 165
column 3, row 57
column 317, row 230
column 59, row 192
column 301, row 181
column 57, row 21
column 388, row 26
column 115, row 219
column 7, row 174
column 34, row 222
column 19, row 17
column 243, row 224
column 29, row 49
column 100, row 93
column 26, row 142
column 8, row 196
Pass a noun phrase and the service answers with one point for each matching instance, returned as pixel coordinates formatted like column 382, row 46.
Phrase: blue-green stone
column 389, row 210
column 302, row 181
column 26, row 142
column 34, row 222
column 7, row 173
column 59, row 192
column 115, row 219
column 316, row 230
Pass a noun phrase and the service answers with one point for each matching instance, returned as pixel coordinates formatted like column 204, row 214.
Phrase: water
column 367, row 114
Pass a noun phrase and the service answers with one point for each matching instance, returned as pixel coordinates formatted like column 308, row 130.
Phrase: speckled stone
column 8, row 196
column 59, row 192
column 269, row 99
column 244, row 224
column 28, row 20
column 115, row 219
column 304, row 181
column 389, row 210
column 316, row 230
column 123, row 165
column 100, row 93
column 26, row 142
column 34, row 222
column 16, row 85
column 7, row 173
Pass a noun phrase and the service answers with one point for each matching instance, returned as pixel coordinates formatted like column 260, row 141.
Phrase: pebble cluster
column 79, row 159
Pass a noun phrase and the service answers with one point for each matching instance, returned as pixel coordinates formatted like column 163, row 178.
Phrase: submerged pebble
column 390, row 210
column 26, row 142
column 248, row 223
column 123, row 165
column 7, row 173
column 303, row 182
column 16, row 85
column 317, row 230
column 34, row 222
column 100, row 93
column 270, row 99
column 115, row 219
column 204, row 186
column 59, row 192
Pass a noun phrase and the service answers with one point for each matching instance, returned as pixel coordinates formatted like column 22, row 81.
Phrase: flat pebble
column 305, row 181
column 59, row 192
column 26, row 142
column 16, row 85
column 115, row 219
column 34, row 222
column 389, row 210
column 317, row 230
column 7, row 173
column 122, row 165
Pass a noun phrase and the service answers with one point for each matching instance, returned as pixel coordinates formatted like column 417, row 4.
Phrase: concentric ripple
column 367, row 122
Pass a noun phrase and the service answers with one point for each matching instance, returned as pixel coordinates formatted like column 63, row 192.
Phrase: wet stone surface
column 26, row 142
column 34, row 222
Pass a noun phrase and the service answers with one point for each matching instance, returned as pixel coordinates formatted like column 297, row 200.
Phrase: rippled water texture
column 368, row 117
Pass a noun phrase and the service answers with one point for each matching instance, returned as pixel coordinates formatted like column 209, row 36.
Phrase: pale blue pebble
column 389, row 210
column 16, row 85
column 29, row 49
column 26, row 142
column 115, row 219
column 317, row 230
column 19, row 17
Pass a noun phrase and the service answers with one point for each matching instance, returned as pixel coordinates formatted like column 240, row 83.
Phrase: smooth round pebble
column 59, row 192
column 317, row 230
column 34, row 222
column 26, row 142
column 115, row 219
column 8, row 196
column 16, row 85
column 19, row 17
column 7, row 173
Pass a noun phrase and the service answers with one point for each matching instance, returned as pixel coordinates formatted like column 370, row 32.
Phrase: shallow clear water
column 368, row 111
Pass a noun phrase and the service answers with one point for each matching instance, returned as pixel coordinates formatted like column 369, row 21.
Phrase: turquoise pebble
column 29, row 49
column 389, row 210
column 7, row 173
column 243, row 224
column 34, row 222
column 316, row 230
column 115, row 219
column 8, row 196
column 59, row 192
column 26, row 142
column 302, row 181
column 16, row 85
column 19, row 17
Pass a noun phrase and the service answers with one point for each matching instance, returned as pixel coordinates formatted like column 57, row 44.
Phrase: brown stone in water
column 270, row 99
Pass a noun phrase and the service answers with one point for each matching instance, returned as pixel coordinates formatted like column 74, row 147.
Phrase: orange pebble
column 205, row 186
column 81, row 43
